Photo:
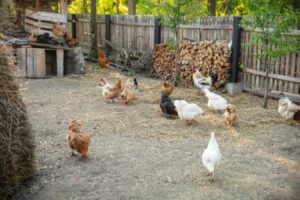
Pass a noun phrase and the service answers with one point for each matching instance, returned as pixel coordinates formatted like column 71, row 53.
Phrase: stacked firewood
column 163, row 60
column 212, row 58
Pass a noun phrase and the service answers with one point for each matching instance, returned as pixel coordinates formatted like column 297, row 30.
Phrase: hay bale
column 16, row 137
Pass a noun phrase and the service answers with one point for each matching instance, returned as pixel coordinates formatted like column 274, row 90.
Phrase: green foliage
column 273, row 21
column 175, row 12
column 171, row 42
column 103, row 7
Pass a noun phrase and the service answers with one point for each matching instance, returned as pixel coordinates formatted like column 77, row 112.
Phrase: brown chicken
column 130, row 91
column 78, row 140
column 230, row 114
column 102, row 59
column 167, row 88
column 58, row 30
column 110, row 92
column 71, row 42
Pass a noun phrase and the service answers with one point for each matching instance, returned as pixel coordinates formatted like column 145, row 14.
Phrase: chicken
column 200, row 81
column 110, row 92
column 32, row 38
column 78, row 140
column 211, row 156
column 215, row 102
column 166, row 105
column 287, row 109
column 71, row 42
column 187, row 111
column 102, row 59
column 230, row 114
column 167, row 88
column 58, row 30
column 130, row 91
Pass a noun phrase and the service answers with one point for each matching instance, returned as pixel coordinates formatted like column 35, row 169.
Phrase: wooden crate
column 32, row 62
column 40, row 22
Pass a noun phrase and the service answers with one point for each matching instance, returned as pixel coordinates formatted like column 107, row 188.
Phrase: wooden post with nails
column 157, row 31
column 107, row 33
column 236, row 45
column 74, row 20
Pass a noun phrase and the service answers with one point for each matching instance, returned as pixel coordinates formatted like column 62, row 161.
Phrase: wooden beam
column 60, row 62
column 275, row 76
column 274, row 94
column 236, row 48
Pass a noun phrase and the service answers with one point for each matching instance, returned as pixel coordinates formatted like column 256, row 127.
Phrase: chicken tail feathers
column 297, row 116
column 102, row 82
column 136, row 85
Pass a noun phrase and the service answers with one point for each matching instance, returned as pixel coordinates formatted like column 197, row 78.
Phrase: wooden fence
column 137, row 33
column 284, row 72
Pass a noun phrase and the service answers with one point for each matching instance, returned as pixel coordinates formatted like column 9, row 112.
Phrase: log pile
column 163, row 60
column 212, row 58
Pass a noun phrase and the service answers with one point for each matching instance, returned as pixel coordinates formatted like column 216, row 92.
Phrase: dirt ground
column 135, row 153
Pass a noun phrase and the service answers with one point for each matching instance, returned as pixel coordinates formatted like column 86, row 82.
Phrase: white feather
column 211, row 156
column 187, row 111
column 215, row 102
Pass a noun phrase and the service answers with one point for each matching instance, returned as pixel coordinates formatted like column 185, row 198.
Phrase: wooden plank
column 29, row 63
column 60, row 62
column 46, row 25
column 50, row 46
column 293, row 71
column 297, row 86
column 271, row 75
column 274, row 94
column 21, row 60
column 39, row 63
column 46, row 16
column 287, row 71
column 29, row 29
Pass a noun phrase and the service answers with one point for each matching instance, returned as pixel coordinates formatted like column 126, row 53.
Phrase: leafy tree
column 273, row 21
column 175, row 12
column 103, row 6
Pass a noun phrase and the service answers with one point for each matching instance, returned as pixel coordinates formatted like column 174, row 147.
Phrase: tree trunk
column 212, row 7
column 228, row 7
column 93, row 24
column 84, row 8
column 293, row 4
column 131, row 7
column 63, row 7
column 38, row 4
column 118, row 6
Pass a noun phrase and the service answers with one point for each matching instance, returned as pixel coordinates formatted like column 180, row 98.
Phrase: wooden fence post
column 107, row 33
column 157, row 31
column 236, row 47
column 74, row 19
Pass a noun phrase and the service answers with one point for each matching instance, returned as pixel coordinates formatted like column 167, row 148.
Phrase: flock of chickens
column 79, row 140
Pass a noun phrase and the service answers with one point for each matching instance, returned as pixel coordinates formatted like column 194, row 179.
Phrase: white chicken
column 211, row 156
column 287, row 109
column 200, row 81
column 105, row 86
column 215, row 102
column 187, row 111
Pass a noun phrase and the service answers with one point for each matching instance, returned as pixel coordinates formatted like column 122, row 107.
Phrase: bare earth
column 135, row 153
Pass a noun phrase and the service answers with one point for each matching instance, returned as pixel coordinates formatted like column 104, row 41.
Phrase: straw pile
column 17, row 161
